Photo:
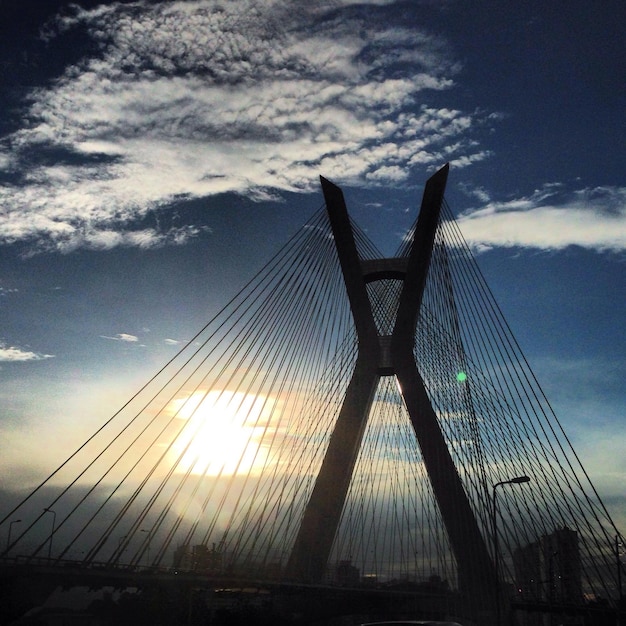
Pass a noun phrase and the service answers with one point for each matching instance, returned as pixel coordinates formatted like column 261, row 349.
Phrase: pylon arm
column 311, row 550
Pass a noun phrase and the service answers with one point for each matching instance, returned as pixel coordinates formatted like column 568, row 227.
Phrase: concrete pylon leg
column 311, row 550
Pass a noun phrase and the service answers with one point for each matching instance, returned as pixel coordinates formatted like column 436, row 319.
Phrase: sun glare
column 222, row 434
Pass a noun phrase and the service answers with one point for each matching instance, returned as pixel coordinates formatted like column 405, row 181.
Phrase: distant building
column 346, row 574
column 182, row 557
column 198, row 558
column 562, row 570
column 528, row 577
column 205, row 560
column 549, row 570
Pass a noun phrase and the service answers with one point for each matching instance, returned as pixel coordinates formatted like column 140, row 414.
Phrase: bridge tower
column 388, row 355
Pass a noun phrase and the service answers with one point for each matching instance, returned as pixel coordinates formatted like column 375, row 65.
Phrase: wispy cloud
column 191, row 99
column 549, row 219
column 15, row 354
column 125, row 337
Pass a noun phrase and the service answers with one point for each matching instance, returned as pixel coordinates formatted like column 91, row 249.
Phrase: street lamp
column 54, row 519
column 512, row 481
column 15, row 521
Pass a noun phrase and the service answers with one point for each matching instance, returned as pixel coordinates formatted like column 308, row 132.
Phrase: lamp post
column 512, row 481
column 15, row 521
column 54, row 520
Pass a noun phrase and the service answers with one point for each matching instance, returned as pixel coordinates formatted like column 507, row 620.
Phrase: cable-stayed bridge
column 346, row 421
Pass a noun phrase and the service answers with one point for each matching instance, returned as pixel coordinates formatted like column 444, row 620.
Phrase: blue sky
column 154, row 155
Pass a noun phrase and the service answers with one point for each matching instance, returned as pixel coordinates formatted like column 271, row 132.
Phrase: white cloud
column 14, row 354
column 174, row 342
column 481, row 194
column 125, row 337
column 192, row 99
column 590, row 218
column 388, row 172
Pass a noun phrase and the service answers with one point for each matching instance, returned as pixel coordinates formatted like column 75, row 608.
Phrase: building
column 549, row 570
column 346, row 574
column 198, row 558
column 561, row 560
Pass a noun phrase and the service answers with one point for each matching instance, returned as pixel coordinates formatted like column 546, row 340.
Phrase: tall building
column 561, row 560
column 527, row 566
column 549, row 570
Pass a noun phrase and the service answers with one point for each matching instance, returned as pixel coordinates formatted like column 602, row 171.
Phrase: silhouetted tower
column 388, row 355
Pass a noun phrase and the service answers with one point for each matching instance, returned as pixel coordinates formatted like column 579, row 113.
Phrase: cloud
column 549, row 219
column 15, row 354
column 191, row 99
column 126, row 338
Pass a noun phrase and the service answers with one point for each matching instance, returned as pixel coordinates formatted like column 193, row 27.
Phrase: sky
column 154, row 155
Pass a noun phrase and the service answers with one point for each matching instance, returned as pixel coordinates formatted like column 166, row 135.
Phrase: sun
column 222, row 434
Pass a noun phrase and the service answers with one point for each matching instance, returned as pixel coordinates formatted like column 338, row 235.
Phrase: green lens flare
column 461, row 377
